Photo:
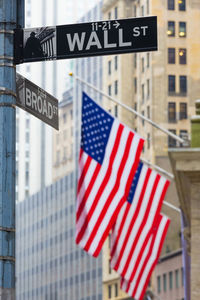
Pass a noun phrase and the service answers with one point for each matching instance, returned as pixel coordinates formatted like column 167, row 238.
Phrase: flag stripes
column 102, row 192
column 137, row 286
column 135, row 221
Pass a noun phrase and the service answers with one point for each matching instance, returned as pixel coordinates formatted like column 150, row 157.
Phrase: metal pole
column 174, row 136
column 7, row 149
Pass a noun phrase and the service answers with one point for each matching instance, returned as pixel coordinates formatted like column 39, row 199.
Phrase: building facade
column 169, row 277
column 160, row 85
column 49, row 265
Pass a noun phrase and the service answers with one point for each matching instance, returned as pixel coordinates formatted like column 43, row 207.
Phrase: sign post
column 36, row 101
column 86, row 39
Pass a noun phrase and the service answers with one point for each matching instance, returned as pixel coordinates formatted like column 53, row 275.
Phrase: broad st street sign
column 86, row 39
column 36, row 101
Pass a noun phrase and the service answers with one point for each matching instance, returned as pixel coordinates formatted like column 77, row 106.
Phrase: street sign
column 86, row 39
column 36, row 101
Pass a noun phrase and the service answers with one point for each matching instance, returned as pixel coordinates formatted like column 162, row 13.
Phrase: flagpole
column 130, row 109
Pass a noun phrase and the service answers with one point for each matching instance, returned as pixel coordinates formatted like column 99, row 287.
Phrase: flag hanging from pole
column 136, row 288
column 109, row 158
column 139, row 213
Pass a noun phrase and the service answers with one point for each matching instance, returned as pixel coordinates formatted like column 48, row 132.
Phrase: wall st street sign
column 86, row 39
column 36, row 101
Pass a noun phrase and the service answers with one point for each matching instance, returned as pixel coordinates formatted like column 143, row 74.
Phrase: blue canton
column 96, row 127
column 134, row 183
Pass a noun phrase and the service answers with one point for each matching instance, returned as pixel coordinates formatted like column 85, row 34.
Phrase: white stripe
column 138, row 222
column 86, row 181
column 129, row 215
column 81, row 164
column 120, row 192
column 147, row 227
column 117, row 224
column 152, row 257
column 101, row 174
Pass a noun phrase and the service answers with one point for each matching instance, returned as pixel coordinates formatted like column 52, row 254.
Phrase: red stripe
column 148, row 257
column 142, row 225
column 87, row 192
column 134, row 218
column 156, row 217
column 103, row 184
column 84, row 172
column 110, row 198
column 81, row 153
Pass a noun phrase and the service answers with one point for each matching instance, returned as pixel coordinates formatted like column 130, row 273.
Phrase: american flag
column 136, row 288
column 109, row 157
column 135, row 220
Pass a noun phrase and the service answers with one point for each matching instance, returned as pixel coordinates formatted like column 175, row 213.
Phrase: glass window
column 183, row 84
column 109, row 16
column 134, row 11
column 116, row 12
column 109, row 267
column 148, row 60
column 143, row 119
column 109, row 67
column 183, row 110
column 142, row 92
column 182, row 56
column 142, row 64
column 171, row 56
column 147, row 7
column 116, row 111
column 171, row 83
column 148, row 111
column 164, row 282
column 109, row 291
column 64, row 118
column 182, row 5
column 135, row 85
column 109, row 90
column 158, row 284
column 135, row 60
column 148, row 140
column 116, row 62
column 148, row 88
column 116, row 87
column 182, row 29
column 184, row 135
column 182, row 276
column 171, row 28
column 171, row 112
column 116, row 290
column 177, row 278
column 171, row 4
column 171, row 144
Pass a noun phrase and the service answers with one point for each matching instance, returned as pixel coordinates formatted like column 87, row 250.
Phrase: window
column 64, row 118
column 109, row 267
column 109, row 291
column 142, row 92
column 142, row 64
column 171, row 4
column 148, row 60
column 116, row 62
column 148, row 112
column 177, row 278
column 71, row 114
column 109, row 67
column 142, row 11
column 116, row 13
column 109, row 90
column 135, row 60
column 134, row 11
column 147, row 7
column 171, row 144
column 182, row 5
column 148, row 140
column 116, row 111
column 158, row 285
column 116, row 290
column 148, row 88
column 183, row 110
column 143, row 119
column 116, row 87
column 182, row 29
column 182, row 56
column 164, row 282
column 184, row 135
column 182, row 276
column 183, row 84
column 135, row 85
column 171, row 112
column 27, row 137
column 171, row 28
column 171, row 56
column 171, row 83
column 109, row 16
